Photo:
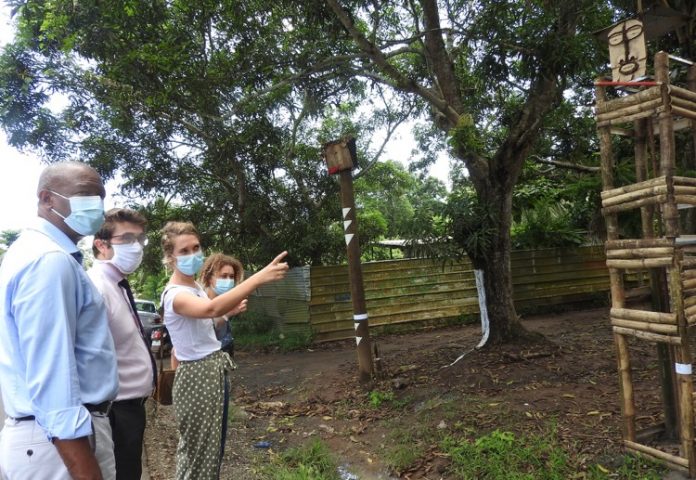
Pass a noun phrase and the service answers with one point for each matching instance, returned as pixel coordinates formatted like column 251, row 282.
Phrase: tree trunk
column 505, row 325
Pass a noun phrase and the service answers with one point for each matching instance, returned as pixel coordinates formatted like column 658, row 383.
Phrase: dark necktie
column 126, row 286
column 77, row 256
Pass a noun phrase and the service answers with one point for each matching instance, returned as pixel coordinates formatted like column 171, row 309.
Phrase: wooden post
column 357, row 291
column 628, row 409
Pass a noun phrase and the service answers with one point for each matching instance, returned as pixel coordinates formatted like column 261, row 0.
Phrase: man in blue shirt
column 57, row 360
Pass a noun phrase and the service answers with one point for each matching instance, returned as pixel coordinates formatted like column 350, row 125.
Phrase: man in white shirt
column 118, row 250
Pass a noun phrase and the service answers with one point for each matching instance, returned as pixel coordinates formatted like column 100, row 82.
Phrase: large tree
column 490, row 73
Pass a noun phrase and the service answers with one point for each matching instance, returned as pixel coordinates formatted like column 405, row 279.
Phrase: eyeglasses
column 128, row 238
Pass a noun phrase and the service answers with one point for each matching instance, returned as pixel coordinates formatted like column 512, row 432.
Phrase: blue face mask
column 86, row 213
column 190, row 264
column 223, row 285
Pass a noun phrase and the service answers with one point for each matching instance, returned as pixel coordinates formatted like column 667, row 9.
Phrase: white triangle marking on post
column 356, row 325
column 346, row 224
column 358, row 339
column 345, row 212
column 349, row 237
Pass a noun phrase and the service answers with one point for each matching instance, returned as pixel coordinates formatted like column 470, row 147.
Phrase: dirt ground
column 287, row 398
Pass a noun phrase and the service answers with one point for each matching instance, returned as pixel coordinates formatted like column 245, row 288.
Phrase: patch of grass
column 629, row 467
column 378, row 397
column 312, row 461
column 502, row 455
column 404, row 446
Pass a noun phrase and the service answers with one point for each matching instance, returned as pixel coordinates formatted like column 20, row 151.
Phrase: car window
column 145, row 307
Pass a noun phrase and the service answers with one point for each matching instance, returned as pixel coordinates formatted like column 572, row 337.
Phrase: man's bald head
column 57, row 175
column 58, row 183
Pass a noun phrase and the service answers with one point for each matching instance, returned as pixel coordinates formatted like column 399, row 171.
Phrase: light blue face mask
column 190, row 264
column 86, row 213
column 223, row 285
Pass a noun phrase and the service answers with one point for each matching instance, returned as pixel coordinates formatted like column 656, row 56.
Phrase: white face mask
column 127, row 257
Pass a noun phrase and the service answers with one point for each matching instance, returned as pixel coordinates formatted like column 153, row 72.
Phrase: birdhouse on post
column 340, row 155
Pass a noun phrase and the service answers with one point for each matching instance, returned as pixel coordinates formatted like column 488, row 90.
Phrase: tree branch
column 562, row 164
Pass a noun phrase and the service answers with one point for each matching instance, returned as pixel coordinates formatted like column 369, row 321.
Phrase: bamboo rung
column 653, row 182
column 680, row 92
column 634, row 204
column 688, row 284
column 649, row 336
column 683, row 112
column 688, row 263
column 684, row 181
column 643, row 315
column 640, row 263
column 687, row 274
column 635, row 195
column 654, row 452
column 684, row 103
column 691, row 320
column 639, row 243
column 630, row 118
column 660, row 328
column 691, row 310
column 689, row 190
column 619, row 103
column 647, row 106
column 685, row 199
column 689, row 301
column 630, row 253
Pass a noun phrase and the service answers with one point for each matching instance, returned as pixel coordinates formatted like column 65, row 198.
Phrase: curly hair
column 214, row 263
column 169, row 233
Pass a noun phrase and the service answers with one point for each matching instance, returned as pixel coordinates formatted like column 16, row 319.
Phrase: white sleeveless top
column 193, row 338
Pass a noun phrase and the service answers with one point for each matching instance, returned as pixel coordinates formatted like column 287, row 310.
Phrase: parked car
column 160, row 341
column 147, row 311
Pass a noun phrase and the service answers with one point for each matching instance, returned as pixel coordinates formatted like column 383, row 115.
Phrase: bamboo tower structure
column 650, row 113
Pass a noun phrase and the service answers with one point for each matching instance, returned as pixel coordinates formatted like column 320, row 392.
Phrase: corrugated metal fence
column 426, row 291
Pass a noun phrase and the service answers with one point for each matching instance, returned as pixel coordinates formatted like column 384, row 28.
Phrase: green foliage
column 257, row 330
column 546, row 225
column 474, row 226
column 312, row 461
column 8, row 237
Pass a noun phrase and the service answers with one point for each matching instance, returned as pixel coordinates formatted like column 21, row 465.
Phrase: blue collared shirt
column 56, row 350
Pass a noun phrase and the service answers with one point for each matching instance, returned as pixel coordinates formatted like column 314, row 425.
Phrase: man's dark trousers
column 127, row 429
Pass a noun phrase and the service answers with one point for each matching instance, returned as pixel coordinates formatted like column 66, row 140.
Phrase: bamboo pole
column 629, row 100
column 653, row 182
column 679, row 92
column 659, row 454
column 683, row 112
column 639, row 264
column 657, row 199
column 685, row 199
column 640, row 151
column 631, row 118
column 628, row 406
column 635, row 195
column 689, row 302
column 640, row 252
column 667, row 154
column 639, row 243
column 660, row 328
column 620, row 113
column 684, row 104
column 643, row 315
column 684, row 189
column 689, row 284
column 684, row 181
column 649, row 336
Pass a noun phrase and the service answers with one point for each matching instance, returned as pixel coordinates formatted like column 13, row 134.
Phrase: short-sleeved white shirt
column 193, row 338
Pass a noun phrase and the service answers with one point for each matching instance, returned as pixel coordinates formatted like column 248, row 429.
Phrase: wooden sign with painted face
column 340, row 155
column 627, row 51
